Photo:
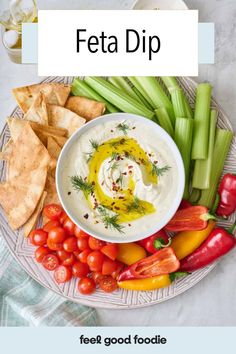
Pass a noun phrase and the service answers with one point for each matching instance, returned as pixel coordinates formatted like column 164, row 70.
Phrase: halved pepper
column 192, row 218
column 162, row 262
column 186, row 242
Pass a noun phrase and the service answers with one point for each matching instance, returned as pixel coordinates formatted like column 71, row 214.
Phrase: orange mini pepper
column 129, row 253
column 186, row 242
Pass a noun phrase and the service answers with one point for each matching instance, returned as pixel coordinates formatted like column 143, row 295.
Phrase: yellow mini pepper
column 129, row 253
column 160, row 281
column 186, row 242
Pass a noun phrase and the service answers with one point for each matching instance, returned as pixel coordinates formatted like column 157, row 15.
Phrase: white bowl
column 160, row 4
column 161, row 135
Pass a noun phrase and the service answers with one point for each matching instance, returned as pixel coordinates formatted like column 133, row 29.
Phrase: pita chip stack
column 54, row 93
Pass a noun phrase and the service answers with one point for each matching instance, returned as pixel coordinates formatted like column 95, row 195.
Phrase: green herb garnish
column 123, row 127
column 95, row 145
column 79, row 184
column 136, row 206
column 159, row 171
column 109, row 221
column 120, row 179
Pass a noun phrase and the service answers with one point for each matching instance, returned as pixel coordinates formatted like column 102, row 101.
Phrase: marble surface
column 213, row 301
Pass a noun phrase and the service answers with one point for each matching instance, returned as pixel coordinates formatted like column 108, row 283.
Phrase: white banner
column 106, row 42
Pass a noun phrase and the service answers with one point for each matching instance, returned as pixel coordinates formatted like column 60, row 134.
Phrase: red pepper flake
column 149, row 154
column 129, row 225
column 155, row 162
column 130, row 167
column 121, row 197
column 69, row 193
column 134, row 128
column 102, row 183
column 112, row 130
column 86, row 216
column 130, row 172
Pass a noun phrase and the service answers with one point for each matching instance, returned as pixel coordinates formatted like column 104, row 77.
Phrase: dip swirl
column 120, row 178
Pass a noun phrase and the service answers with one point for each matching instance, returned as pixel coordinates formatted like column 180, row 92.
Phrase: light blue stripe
column 61, row 340
column 206, row 43
column 29, row 43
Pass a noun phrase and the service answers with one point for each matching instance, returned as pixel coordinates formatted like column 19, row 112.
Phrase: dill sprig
column 79, row 184
column 95, row 145
column 120, row 179
column 109, row 221
column 113, row 163
column 123, row 127
column 136, row 206
column 159, row 171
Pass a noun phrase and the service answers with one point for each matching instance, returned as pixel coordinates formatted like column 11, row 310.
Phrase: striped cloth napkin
column 23, row 302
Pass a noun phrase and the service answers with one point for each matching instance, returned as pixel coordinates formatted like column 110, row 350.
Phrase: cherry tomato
column 69, row 226
column 62, row 274
column 50, row 225
column 96, row 276
column 95, row 244
column 57, row 235
column 109, row 266
column 86, row 286
column 40, row 252
column 110, row 250
column 52, row 211
column 62, row 217
column 39, row 237
column 95, row 261
column 119, row 268
column 31, row 238
column 54, row 246
column 80, row 233
column 83, row 256
column 70, row 244
column 50, row 261
column 82, row 244
column 107, row 284
column 80, row 270
column 66, row 258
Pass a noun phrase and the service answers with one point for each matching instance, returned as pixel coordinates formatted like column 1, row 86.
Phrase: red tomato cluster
column 64, row 248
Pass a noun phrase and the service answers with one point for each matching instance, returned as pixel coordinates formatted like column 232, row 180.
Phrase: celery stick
column 80, row 88
column 117, row 97
column 136, row 84
column 195, row 196
column 155, row 94
column 171, row 83
column 164, row 120
column 202, row 169
column 121, row 83
column 222, row 144
column 178, row 102
column 201, row 122
column 183, row 139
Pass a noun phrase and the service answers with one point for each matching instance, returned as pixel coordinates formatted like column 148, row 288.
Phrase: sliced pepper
column 162, row 262
column 186, row 242
column 192, row 218
column 129, row 253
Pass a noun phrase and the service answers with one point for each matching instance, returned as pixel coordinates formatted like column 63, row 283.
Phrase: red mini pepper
column 162, row 262
column 218, row 243
column 192, row 218
column 227, row 196
column 155, row 242
column 184, row 204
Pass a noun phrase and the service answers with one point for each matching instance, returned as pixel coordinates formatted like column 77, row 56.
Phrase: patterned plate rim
column 96, row 303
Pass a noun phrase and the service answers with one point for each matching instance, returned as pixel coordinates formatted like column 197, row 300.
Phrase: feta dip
column 120, row 178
